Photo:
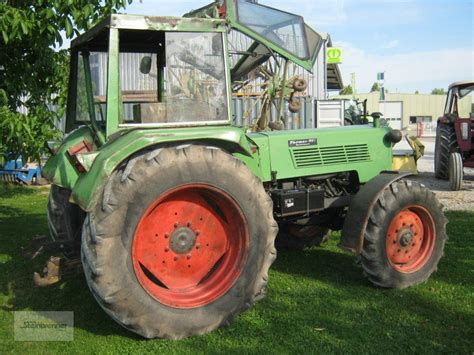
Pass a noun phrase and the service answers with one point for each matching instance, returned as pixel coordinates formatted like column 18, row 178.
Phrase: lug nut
column 189, row 224
column 176, row 225
column 189, row 256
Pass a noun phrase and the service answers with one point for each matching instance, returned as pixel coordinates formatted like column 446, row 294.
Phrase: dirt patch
column 452, row 200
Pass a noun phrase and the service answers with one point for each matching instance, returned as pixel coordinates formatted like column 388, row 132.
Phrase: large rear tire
column 181, row 243
column 445, row 144
column 455, row 171
column 405, row 236
column 65, row 220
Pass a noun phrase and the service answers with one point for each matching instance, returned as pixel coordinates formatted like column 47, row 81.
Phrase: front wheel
column 181, row 243
column 405, row 236
column 455, row 171
column 445, row 144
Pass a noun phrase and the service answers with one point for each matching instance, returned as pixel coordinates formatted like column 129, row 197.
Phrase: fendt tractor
column 173, row 211
column 454, row 147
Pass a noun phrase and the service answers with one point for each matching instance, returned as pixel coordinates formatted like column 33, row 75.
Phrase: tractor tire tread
column 373, row 259
column 446, row 143
column 115, row 299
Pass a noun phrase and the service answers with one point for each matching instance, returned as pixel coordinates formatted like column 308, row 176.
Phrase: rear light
column 82, row 147
column 464, row 131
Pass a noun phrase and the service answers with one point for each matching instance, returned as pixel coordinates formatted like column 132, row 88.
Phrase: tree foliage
column 375, row 87
column 22, row 134
column 347, row 90
column 33, row 74
column 437, row 91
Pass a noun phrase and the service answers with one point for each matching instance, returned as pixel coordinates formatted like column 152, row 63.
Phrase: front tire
column 445, row 144
column 181, row 243
column 405, row 236
column 455, row 171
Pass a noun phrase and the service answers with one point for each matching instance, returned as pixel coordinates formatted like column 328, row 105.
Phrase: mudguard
column 88, row 186
column 361, row 207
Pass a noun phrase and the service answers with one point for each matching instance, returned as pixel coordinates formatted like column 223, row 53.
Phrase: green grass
column 318, row 300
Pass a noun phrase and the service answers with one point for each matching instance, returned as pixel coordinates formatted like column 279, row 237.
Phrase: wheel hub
column 182, row 240
column 410, row 239
column 190, row 246
column 405, row 237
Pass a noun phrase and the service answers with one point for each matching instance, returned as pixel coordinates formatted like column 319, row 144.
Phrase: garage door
column 392, row 112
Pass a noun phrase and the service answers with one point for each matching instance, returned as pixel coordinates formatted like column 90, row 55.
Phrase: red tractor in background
column 454, row 147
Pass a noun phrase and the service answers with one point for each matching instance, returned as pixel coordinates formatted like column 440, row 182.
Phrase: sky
column 419, row 44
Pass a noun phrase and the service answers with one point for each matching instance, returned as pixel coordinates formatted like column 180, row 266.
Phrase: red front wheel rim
column 190, row 246
column 410, row 239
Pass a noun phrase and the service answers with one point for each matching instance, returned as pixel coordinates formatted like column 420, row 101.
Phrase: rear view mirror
column 145, row 65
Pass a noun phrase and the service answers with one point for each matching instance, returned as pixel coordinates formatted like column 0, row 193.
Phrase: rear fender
column 59, row 169
column 361, row 208
column 87, row 189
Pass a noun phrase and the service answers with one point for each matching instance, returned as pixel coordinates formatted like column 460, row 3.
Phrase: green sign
column 333, row 55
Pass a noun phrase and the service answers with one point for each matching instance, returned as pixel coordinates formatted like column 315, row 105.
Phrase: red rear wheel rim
column 410, row 239
column 190, row 246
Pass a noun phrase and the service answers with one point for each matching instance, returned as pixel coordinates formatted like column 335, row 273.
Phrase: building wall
column 421, row 105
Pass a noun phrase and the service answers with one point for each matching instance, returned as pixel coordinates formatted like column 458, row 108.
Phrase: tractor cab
column 133, row 72
column 457, row 102
column 149, row 71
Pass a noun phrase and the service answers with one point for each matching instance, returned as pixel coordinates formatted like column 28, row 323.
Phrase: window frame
column 115, row 45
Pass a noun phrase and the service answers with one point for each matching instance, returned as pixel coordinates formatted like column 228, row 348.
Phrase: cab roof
column 150, row 23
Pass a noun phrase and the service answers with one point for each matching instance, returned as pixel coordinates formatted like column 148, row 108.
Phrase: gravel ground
column 452, row 200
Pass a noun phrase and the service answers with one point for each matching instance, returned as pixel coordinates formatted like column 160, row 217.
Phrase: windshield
column 282, row 28
column 185, row 81
column 459, row 101
column 466, row 91
column 196, row 86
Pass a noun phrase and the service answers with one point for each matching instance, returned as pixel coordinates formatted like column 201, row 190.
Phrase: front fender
column 361, row 208
column 89, row 185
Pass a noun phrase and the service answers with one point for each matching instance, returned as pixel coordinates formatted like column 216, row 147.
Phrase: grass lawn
column 318, row 300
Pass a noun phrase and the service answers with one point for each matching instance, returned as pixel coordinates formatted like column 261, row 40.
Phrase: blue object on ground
column 13, row 171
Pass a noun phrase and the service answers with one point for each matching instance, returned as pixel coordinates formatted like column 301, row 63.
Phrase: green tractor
column 173, row 211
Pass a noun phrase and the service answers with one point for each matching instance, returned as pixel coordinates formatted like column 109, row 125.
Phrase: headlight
column 464, row 131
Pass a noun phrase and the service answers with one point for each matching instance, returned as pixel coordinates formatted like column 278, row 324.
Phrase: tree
column 437, row 91
column 417, row 92
column 22, row 134
column 347, row 90
column 375, row 87
column 32, row 73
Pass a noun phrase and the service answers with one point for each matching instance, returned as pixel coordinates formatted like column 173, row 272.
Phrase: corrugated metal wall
column 247, row 109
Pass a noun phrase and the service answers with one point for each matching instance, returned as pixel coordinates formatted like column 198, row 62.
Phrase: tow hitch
column 56, row 267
